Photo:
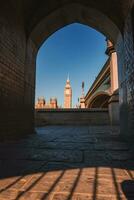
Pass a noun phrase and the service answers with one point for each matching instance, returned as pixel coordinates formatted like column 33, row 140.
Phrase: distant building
column 41, row 103
column 68, row 95
column 53, row 103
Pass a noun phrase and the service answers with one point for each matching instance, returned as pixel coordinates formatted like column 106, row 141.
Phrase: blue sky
column 75, row 49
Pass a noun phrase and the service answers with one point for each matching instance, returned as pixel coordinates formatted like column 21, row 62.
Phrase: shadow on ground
column 128, row 189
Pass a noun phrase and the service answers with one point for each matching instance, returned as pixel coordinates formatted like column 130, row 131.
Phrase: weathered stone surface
column 112, row 146
column 42, row 166
column 72, row 116
column 121, row 156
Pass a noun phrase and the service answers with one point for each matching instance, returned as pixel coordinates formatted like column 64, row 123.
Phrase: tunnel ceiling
column 35, row 10
column 41, row 18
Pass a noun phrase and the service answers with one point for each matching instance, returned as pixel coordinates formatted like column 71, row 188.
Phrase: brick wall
column 16, row 89
column 129, row 71
column 125, row 49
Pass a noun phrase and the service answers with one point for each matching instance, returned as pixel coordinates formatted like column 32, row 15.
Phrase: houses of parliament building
column 53, row 103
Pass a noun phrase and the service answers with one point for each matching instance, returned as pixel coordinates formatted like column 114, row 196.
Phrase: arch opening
column 73, row 13
column 100, row 102
column 75, row 54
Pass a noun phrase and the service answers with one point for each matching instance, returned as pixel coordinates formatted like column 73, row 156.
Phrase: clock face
column 67, row 92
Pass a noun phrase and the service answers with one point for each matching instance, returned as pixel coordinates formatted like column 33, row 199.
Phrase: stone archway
column 97, row 18
column 77, row 12
column 71, row 13
column 25, row 25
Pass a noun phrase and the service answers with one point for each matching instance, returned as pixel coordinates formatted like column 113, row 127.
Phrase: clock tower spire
column 68, row 94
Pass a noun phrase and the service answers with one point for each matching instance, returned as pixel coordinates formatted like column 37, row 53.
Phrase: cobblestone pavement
column 67, row 162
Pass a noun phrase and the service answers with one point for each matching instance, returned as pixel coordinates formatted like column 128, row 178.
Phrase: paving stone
column 67, row 145
column 19, row 167
column 120, row 155
column 93, row 158
column 34, row 196
column 112, row 146
column 8, row 182
column 9, row 194
column 58, row 155
column 66, row 162
column 54, row 166
column 60, row 196
column 43, row 183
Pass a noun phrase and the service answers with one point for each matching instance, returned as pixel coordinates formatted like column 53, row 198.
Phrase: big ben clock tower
column 68, row 95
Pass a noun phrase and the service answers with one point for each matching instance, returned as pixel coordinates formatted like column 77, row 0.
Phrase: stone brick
column 16, row 114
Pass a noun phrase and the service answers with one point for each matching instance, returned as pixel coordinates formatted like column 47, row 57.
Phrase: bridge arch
column 99, row 100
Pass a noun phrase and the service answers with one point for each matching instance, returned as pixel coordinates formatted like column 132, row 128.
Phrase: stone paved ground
column 67, row 162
